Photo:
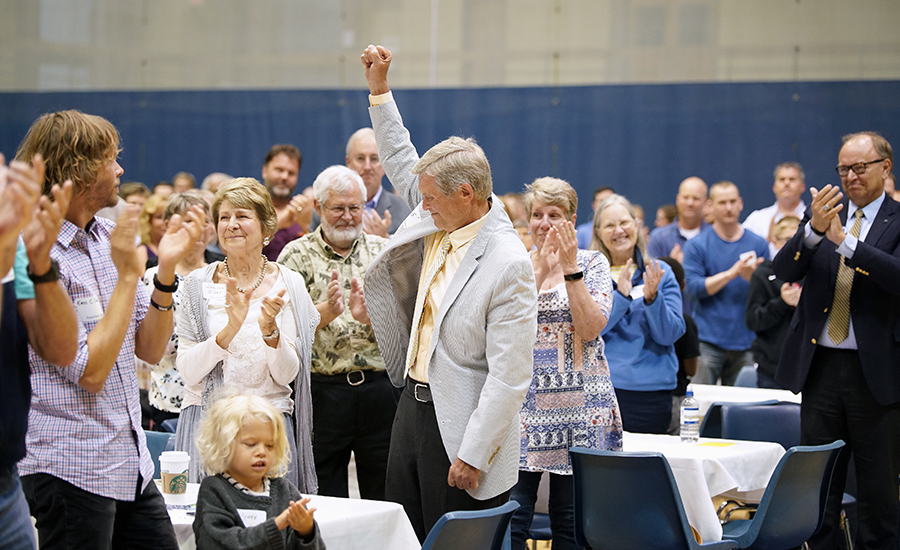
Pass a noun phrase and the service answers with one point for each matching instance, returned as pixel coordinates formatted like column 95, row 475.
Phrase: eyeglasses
column 859, row 168
column 354, row 209
column 624, row 224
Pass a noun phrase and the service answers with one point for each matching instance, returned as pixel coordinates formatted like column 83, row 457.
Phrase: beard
column 278, row 192
column 341, row 237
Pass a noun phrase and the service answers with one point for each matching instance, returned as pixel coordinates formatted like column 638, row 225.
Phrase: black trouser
column 418, row 467
column 354, row 418
column 69, row 517
column 837, row 404
column 648, row 412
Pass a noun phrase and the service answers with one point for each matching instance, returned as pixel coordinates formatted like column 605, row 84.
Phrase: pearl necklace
column 258, row 281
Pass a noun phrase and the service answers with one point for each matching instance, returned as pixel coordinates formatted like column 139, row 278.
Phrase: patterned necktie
column 417, row 321
column 839, row 325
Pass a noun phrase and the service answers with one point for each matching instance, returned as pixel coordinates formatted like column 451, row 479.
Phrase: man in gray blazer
column 456, row 326
column 385, row 211
column 362, row 157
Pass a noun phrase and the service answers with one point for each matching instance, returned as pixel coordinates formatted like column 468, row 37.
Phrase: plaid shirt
column 93, row 441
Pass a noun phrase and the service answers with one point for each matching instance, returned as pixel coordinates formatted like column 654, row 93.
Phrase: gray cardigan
column 193, row 326
column 218, row 524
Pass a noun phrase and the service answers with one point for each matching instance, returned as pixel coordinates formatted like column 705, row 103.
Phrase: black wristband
column 161, row 308
column 816, row 231
column 50, row 277
column 574, row 276
column 165, row 288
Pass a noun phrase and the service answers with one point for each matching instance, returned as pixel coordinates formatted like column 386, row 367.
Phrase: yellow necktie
column 417, row 321
column 839, row 325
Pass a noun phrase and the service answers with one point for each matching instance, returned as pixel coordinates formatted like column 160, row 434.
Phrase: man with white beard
column 353, row 399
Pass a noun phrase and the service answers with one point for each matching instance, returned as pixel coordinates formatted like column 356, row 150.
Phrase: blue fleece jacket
column 639, row 337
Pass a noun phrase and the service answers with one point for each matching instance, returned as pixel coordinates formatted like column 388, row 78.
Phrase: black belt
column 353, row 378
column 419, row 391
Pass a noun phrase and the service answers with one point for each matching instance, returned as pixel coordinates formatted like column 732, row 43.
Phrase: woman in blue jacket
column 645, row 321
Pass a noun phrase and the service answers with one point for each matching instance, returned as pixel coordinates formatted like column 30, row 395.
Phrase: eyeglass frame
column 865, row 167
column 353, row 209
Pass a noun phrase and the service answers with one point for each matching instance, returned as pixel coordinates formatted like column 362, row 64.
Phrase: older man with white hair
column 353, row 399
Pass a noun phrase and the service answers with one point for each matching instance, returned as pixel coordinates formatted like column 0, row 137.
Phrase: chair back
column 711, row 426
column 477, row 529
column 793, row 506
column 629, row 500
column 156, row 444
column 747, row 377
column 170, row 425
column 779, row 423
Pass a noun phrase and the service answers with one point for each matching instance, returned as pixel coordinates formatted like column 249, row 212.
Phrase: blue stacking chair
column 780, row 423
column 478, row 530
column 630, row 500
column 157, row 442
column 777, row 422
column 747, row 377
column 170, row 425
column 712, row 420
column 793, row 506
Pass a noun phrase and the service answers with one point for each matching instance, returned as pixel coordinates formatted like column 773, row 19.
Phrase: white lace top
column 250, row 365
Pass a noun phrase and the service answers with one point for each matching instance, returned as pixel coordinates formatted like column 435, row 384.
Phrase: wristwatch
column 574, row 276
column 50, row 277
column 272, row 336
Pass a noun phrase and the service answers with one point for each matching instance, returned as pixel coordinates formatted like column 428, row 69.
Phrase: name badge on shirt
column 213, row 291
column 89, row 309
column 637, row 292
column 252, row 518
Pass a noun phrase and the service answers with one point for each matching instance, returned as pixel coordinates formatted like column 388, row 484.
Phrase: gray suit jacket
column 480, row 358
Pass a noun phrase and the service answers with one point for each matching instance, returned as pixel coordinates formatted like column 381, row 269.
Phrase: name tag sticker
column 252, row 518
column 89, row 309
column 214, row 291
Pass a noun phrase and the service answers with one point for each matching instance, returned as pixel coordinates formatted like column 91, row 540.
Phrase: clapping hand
column 181, row 237
column 20, row 189
column 624, row 283
column 122, row 244
column 567, row 247
column 653, row 274
column 825, row 206
column 373, row 224
column 299, row 518
column 790, row 293
column 357, row 302
column 270, row 308
column 335, row 294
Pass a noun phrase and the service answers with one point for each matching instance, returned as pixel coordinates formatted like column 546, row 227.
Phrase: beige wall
column 228, row 44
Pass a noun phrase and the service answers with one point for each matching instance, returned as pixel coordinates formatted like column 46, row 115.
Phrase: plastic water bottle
column 690, row 418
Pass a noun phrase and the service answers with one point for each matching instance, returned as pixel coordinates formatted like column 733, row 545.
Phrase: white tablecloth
column 709, row 468
column 346, row 524
column 707, row 394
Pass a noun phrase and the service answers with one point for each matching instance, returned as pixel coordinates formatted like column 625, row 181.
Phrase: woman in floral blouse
column 571, row 401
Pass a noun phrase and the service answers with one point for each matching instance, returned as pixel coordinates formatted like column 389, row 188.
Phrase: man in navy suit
column 843, row 346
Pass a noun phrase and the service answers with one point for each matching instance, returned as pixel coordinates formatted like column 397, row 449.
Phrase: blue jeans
column 16, row 531
column 715, row 362
column 562, row 509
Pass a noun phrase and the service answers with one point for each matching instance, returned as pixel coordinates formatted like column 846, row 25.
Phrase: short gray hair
column 795, row 165
column 337, row 178
column 456, row 161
